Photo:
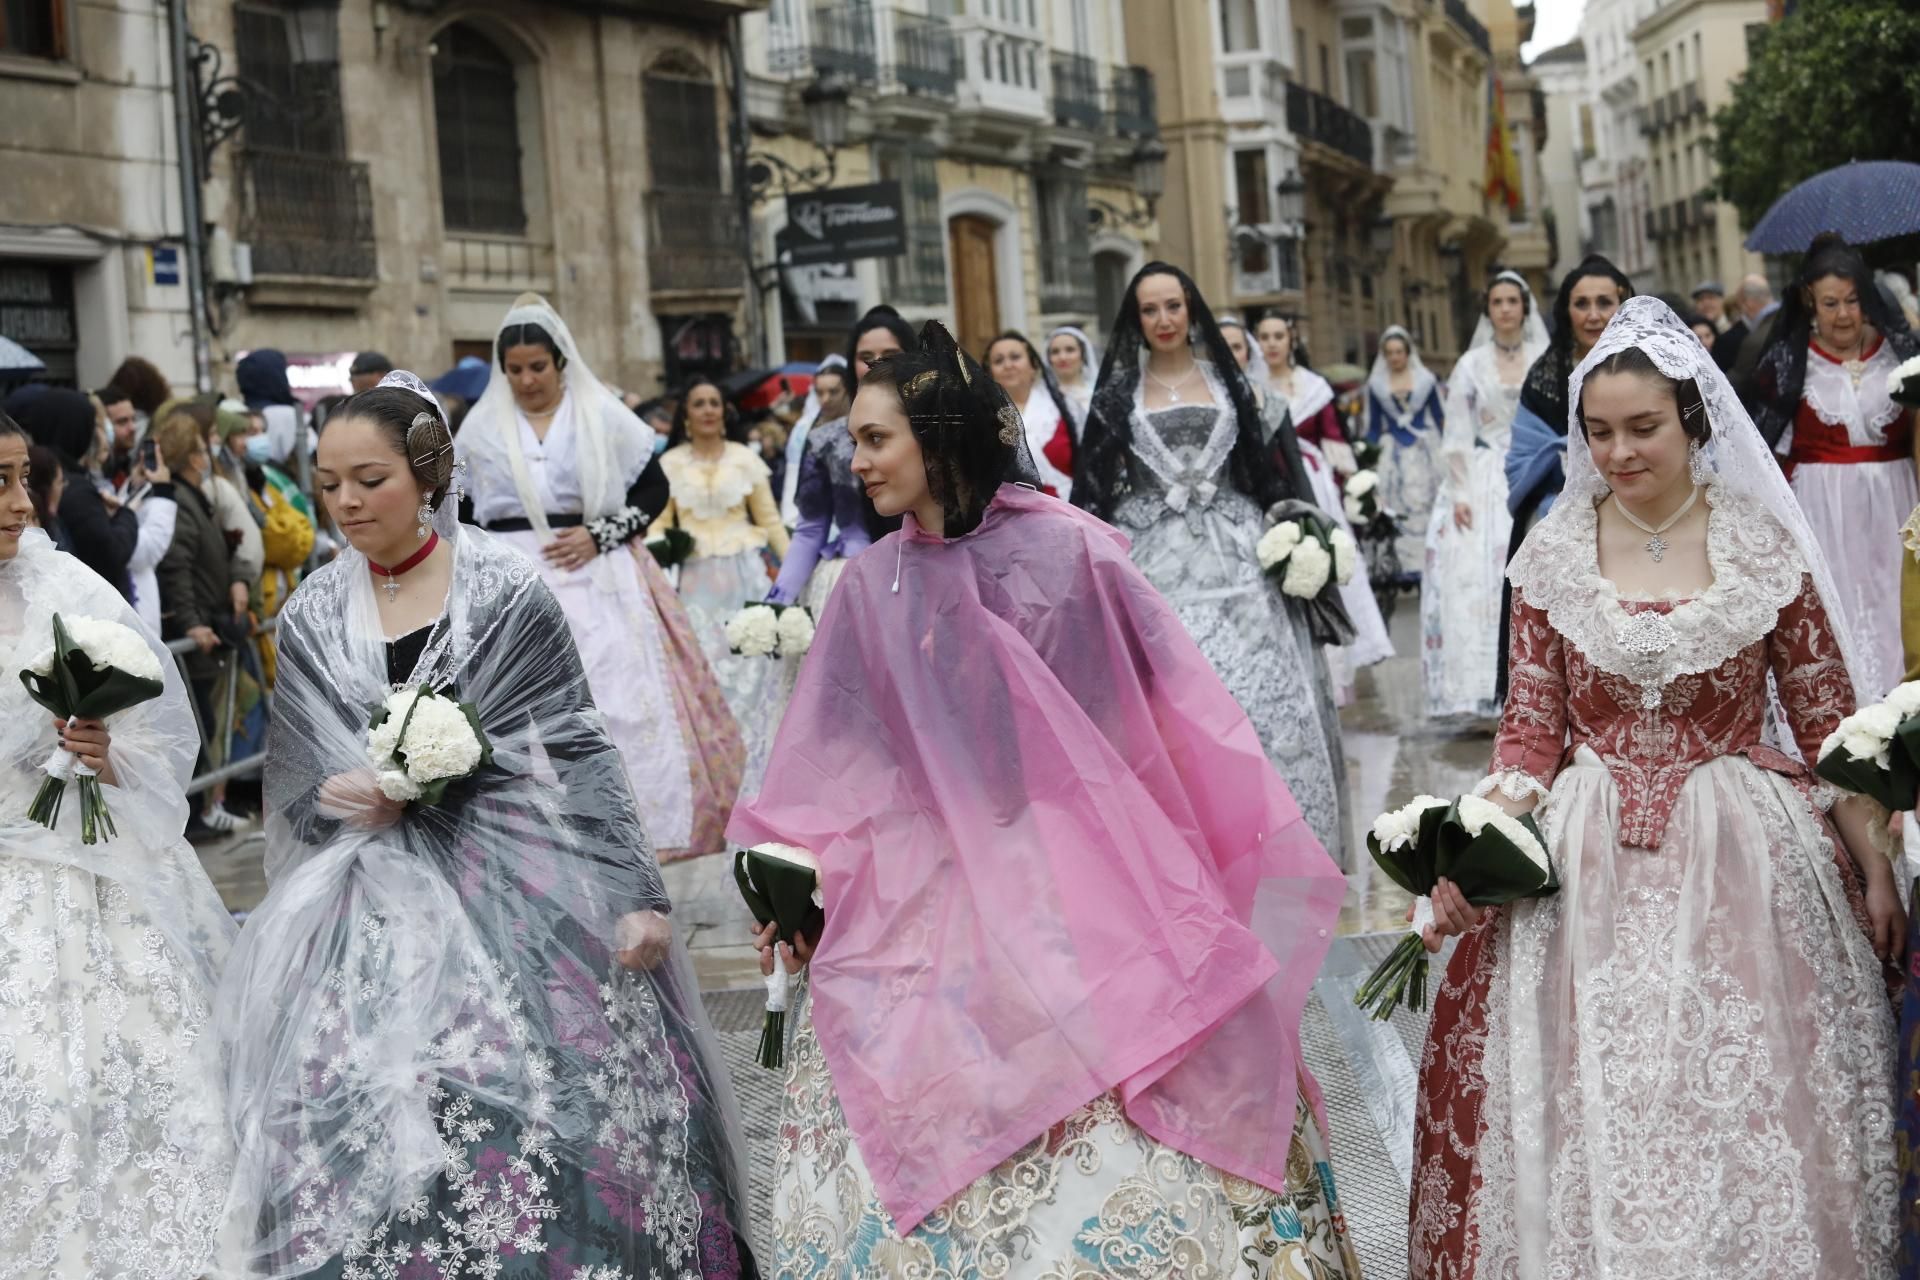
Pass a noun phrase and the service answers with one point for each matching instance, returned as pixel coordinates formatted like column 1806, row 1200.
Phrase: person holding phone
column 148, row 489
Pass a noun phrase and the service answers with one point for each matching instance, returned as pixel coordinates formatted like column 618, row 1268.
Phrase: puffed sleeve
column 1533, row 725
column 1815, row 689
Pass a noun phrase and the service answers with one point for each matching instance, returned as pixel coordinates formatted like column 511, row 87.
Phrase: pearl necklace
column 1657, row 546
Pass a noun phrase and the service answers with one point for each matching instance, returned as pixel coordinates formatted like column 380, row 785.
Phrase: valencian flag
column 1503, row 166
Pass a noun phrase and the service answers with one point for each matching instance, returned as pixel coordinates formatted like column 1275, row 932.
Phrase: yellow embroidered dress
column 727, row 504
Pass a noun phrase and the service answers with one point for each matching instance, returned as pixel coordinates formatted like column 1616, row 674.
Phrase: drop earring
column 425, row 516
column 1699, row 470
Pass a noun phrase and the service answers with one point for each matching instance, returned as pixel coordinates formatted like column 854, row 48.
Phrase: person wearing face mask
column 1845, row 442
column 560, row 468
column 721, row 493
column 1071, row 910
column 115, row 1162
column 1177, row 455
column 1681, row 1062
column 1051, row 421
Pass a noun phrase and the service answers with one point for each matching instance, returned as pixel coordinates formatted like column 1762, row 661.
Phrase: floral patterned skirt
column 1093, row 1196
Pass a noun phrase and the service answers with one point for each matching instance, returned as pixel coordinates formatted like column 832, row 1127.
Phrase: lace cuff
column 1514, row 784
column 610, row 533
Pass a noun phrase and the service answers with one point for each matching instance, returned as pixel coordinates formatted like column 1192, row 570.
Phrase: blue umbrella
column 468, row 379
column 1864, row 201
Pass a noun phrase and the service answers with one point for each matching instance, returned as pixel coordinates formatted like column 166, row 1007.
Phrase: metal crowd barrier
column 249, row 766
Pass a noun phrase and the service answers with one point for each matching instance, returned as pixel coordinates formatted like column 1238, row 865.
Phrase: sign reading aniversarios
column 844, row 224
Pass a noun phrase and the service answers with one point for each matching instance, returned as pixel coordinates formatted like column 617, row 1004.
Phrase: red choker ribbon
column 393, row 588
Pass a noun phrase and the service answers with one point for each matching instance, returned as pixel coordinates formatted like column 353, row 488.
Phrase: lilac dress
column 833, row 524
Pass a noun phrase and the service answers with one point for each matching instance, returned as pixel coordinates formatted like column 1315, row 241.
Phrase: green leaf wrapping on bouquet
column 671, row 548
column 1489, row 869
column 1412, row 865
column 779, row 891
column 1892, row 786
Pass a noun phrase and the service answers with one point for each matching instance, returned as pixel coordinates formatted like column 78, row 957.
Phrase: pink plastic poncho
column 1055, row 860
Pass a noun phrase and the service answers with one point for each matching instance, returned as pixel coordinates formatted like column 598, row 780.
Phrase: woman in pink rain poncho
column 1072, row 913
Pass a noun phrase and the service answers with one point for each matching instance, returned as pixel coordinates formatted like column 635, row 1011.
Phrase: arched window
column 476, row 108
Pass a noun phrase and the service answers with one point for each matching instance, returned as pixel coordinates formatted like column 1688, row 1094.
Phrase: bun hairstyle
column 732, row 427
column 527, row 335
column 1685, row 392
column 415, row 429
column 1509, row 278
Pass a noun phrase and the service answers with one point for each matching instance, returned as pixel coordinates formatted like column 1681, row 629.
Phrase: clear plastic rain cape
column 114, row 1142
column 466, row 950
column 1055, row 861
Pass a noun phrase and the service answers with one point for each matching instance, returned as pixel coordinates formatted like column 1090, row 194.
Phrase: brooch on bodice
column 1646, row 637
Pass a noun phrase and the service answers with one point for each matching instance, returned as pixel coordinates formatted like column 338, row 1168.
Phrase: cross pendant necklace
column 1657, row 546
column 392, row 584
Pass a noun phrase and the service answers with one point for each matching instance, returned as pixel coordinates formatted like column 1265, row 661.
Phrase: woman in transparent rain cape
column 446, row 1055
column 1681, row 1064
column 113, row 1160
column 1072, row 914
column 1191, row 484
column 590, row 471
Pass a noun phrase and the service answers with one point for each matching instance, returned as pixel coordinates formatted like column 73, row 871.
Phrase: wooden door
column 976, row 284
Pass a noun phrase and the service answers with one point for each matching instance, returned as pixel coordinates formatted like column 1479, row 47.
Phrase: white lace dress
column 1853, row 471
column 113, row 1159
column 1682, row 1063
column 1460, row 590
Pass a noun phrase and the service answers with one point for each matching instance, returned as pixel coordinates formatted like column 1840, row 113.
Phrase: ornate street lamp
column 828, row 104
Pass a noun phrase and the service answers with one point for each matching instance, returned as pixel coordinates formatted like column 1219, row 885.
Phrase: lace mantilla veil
column 612, row 446
column 1533, row 334
column 1740, row 459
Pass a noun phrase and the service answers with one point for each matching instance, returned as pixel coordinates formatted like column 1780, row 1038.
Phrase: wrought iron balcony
column 1462, row 17
column 834, row 40
column 925, row 54
column 1136, row 112
column 1651, row 225
column 1318, row 118
column 307, row 215
column 694, row 241
column 1076, row 92
column 1694, row 97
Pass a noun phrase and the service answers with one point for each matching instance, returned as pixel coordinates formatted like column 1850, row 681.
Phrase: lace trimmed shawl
column 712, row 490
column 1757, row 571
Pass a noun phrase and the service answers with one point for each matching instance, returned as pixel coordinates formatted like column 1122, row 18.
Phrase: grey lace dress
column 1193, row 536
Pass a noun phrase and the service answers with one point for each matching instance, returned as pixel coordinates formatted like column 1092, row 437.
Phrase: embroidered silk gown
column 1679, row 1065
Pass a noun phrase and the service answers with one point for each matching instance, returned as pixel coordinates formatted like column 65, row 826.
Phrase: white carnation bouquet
column 1876, row 750
column 771, row 631
column 94, row 668
column 419, row 741
column 1492, row 857
column 1903, row 384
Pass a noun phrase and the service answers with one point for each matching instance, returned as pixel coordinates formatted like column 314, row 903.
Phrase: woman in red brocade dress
column 1682, row 1063
column 1053, row 425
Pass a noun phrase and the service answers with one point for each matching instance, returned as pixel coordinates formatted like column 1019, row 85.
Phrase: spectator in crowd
column 46, row 478
column 367, row 369
column 1710, row 305
column 124, row 430
column 262, row 376
column 1702, row 329
column 199, row 585
column 228, row 499
column 769, row 439
column 145, row 385
column 102, row 531
column 1754, row 299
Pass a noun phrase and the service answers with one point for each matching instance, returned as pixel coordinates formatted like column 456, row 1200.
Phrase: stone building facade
column 91, row 262
column 403, row 169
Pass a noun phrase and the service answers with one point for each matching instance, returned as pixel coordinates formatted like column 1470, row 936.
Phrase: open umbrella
column 1864, row 201
column 758, row 388
column 468, row 379
column 16, row 360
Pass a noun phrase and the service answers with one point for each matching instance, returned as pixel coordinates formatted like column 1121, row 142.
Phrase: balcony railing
column 1136, row 113
column 1659, row 113
column 1319, row 118
column 694, row 241
column 1650, row 225
column 1463, row 17
column 834, row 40
column 925, row 54
column 1694, row 98
column 1663, row 219
column 308, row 215
column 1076, row 92
column 1705, row 211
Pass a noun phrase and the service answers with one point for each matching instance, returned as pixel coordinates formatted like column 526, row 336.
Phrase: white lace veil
column 1256, row 370
column 1089, row 356
column 1533, row 333
column 611, row 444
column 1380, row 377
column 1741, row 461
